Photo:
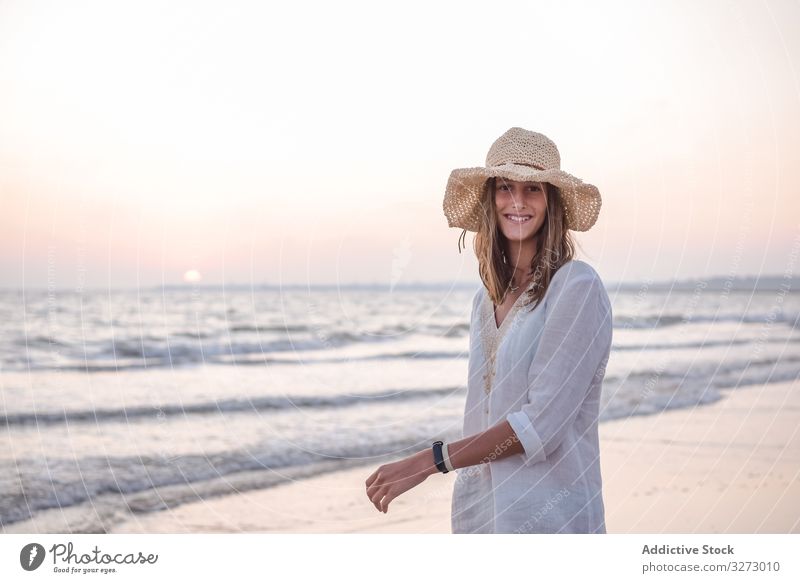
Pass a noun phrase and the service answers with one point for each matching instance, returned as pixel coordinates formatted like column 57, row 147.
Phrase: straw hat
column 520, row 155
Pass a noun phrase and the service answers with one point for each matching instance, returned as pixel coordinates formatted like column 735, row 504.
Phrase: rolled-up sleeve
column 575, row 341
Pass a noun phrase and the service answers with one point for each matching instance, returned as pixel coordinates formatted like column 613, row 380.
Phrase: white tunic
column 542, row 370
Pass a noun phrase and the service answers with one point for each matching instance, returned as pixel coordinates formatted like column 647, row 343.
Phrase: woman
column 540, row 338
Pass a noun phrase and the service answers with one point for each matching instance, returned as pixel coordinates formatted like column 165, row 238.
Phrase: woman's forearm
column 495, row 443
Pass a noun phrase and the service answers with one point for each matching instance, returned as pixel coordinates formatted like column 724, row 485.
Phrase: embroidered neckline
column 492, row 335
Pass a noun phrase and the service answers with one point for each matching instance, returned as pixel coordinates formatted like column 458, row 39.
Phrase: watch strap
column 446, row 454
column 438, row 458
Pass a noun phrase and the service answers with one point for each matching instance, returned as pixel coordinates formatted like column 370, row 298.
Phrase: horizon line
column 714, row 281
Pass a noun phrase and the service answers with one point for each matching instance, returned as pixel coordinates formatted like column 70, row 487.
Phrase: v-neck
column 511, row 311
column 491, row 334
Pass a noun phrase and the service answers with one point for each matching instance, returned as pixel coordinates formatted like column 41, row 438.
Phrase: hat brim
column 465, row 187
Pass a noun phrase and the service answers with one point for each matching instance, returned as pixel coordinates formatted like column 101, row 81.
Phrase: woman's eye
column 506, row 187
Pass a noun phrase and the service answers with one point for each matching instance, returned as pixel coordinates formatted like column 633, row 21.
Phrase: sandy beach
column 728, row 467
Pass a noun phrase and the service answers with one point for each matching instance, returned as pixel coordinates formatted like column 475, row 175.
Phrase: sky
column 245, row 143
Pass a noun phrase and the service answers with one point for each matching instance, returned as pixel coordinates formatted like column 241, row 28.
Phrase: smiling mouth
column 518, row 219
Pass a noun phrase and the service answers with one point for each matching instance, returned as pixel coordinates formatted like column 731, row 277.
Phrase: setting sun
column 192, row 276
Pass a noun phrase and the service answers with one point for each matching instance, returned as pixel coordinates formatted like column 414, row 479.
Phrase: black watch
column 438, row 458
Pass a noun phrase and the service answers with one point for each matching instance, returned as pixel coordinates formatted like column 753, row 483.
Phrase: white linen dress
column 542, row 370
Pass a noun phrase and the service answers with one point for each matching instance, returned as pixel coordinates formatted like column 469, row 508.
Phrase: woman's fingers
column 376, row 495
column 384, row 507
column 373, row 486
column 372, row 476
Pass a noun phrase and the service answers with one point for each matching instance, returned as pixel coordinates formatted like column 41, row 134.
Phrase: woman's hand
column 390, row 480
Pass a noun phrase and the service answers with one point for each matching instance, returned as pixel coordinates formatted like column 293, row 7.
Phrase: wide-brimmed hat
column 520, row 155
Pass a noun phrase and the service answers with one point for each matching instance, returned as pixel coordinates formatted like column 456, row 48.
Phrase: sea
column 120, row 402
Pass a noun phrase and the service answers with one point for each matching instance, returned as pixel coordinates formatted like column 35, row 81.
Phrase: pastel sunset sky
column 245, row 143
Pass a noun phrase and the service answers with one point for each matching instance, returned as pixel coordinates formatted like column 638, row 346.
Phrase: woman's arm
column 495, row 443
column 390, row 480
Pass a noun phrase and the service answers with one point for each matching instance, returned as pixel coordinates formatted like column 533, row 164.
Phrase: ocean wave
column 622, row 321
column 250, row 405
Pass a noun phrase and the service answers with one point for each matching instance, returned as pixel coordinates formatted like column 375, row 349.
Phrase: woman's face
column 520, row 207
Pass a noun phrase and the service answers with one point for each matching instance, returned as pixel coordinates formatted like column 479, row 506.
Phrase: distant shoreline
column 770, row 283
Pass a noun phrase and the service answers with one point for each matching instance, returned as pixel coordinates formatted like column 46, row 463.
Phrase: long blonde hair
column 554, row 247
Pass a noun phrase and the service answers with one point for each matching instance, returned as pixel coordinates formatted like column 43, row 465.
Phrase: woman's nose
column 518, row 191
